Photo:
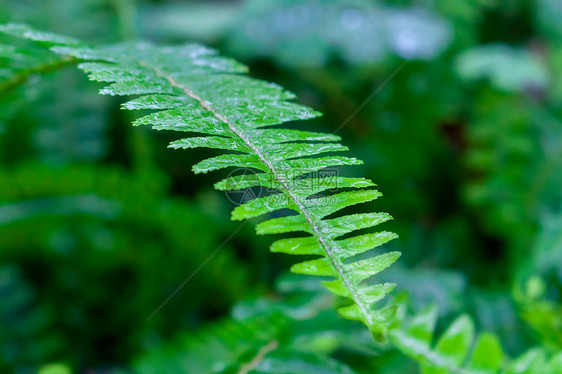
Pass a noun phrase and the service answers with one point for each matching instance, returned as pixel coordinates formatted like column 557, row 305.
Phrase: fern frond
column 294, row 331
column 18, row 63
column 214, row 348
column 259, row 344
column 195, row 90
column 456, row 350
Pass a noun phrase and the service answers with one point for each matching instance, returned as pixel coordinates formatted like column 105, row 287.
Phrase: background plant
column 468, row 161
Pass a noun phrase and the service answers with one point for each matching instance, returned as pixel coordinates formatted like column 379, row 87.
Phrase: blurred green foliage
column 112, row 233
column 99, row 223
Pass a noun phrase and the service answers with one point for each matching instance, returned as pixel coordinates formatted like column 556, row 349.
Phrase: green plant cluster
column 115, row 259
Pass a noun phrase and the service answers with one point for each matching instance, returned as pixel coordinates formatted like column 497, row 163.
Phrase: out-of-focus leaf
column 308, row 33
column 488, row 353
column 55, row 369
column 507, row 68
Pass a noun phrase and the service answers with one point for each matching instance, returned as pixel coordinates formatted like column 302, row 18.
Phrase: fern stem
column 20, row 79
column 302, row 209
column 431, row 356
column 259, row 357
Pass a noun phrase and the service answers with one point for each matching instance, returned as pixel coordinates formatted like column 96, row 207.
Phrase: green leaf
column 230, row 144
column 363, row 269
column 283, row 225
column 422, row 325
column 363, row 243
column 326, row 205
column 456, row 340
column 298, row 246
column 507, row 68
column 530, row 362
column 230, row 160
column 555, row 364
column 488, row 353
column 156, row 102
column 344, row 225
column 322, row 267
column 263, row 205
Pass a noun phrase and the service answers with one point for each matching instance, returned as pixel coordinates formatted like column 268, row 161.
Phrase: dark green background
column 100, row 222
